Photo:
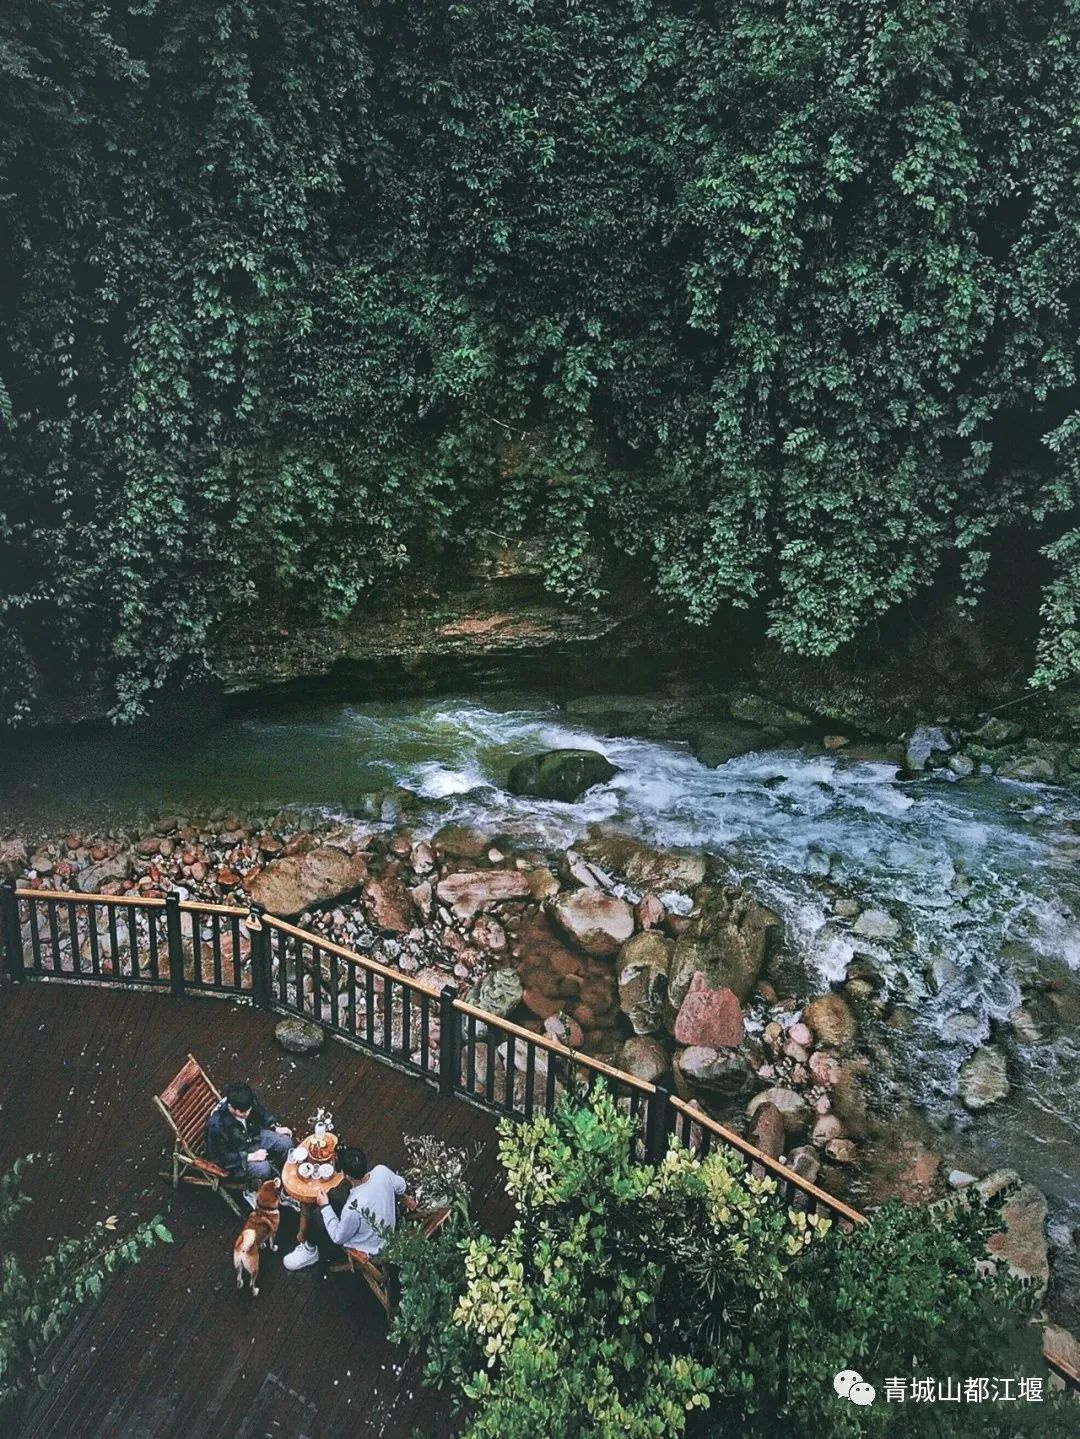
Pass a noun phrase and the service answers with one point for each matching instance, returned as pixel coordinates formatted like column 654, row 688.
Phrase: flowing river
column 982, row 876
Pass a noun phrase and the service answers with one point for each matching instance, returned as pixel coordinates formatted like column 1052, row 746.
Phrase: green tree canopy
column 778, row 296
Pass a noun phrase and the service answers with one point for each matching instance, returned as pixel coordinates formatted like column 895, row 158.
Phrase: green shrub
column 638, row 1300
column 37, row 1304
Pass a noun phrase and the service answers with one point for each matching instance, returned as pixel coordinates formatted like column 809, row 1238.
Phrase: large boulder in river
column 596, row 922
column 388, row 903
column 299, row 881
column 461, row 841
column 708, row 1016
column 642, row 969
column 794, row 1109
column 717, row 742
column 727, row 940
column 560, row 774
column 726, row 1074
column 471, row 891
column 923, row 744
column 644, row 1058
column 1022, row 1241
column 498, row 992
column 642, row 866
column 984, row 1078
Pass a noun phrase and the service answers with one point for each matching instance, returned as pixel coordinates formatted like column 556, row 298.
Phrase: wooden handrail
column 69, row 896
column 151, row 901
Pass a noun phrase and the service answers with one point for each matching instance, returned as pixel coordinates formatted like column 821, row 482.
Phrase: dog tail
column 246, row 1241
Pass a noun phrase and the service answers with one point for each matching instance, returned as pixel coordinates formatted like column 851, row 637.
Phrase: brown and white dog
column 260, row 1229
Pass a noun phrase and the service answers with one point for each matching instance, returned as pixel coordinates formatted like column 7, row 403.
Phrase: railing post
column 260, row 956
column 11, row 931
column 449, row 1041
column 175, row 937
column 657, row 1124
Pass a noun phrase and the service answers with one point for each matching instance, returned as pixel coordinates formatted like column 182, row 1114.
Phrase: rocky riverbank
column 656, row 960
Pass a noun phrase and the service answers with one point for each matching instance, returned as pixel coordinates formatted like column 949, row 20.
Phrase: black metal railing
column 183, row 946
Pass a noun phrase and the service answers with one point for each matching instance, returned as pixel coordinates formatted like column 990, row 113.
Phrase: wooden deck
column 172, row 1349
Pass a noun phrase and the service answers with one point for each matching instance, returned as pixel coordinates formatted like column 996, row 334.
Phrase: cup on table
column 298, row 1155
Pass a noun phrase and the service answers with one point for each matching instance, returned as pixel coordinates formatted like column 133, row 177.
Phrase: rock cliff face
column 485, row 622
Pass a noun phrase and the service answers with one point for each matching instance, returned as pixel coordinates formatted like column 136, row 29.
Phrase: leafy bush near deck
column 779, row 296
column 39, row 1301
column 630, row 1301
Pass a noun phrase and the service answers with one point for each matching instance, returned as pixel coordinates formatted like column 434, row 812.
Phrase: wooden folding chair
column 186, row 1103
column 381, row 1278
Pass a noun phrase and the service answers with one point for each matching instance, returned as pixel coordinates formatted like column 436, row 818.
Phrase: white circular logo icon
column 850, row 1384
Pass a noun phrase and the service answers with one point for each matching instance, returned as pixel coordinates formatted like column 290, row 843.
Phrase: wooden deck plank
column 172, row 1349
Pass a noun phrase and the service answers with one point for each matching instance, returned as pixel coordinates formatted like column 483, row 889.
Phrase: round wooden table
column 304, row 1191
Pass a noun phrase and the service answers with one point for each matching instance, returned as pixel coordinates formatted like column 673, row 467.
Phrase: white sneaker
column 301, row 1257
column 251, row 1197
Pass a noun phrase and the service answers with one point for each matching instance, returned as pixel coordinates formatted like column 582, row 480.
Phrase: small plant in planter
column 436, row 1172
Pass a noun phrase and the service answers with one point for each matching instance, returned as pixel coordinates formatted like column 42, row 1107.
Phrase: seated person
column 372, row 1199
column 244, row 1138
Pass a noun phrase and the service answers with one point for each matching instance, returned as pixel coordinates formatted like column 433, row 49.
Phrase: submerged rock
column 560, row 774
column 831, row 1020
column 983, row 1079
column 876, row 924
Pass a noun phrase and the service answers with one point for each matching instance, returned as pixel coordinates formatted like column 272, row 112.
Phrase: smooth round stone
column 299, row 1036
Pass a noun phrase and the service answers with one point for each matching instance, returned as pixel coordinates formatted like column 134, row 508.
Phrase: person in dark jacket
column 246, row 1139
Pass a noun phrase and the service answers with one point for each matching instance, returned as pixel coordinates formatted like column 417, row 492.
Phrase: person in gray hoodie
column 371, row 1206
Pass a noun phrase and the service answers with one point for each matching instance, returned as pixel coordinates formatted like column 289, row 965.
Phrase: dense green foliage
column 779, row 296
column 38, row 1302
column 630, row 1300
